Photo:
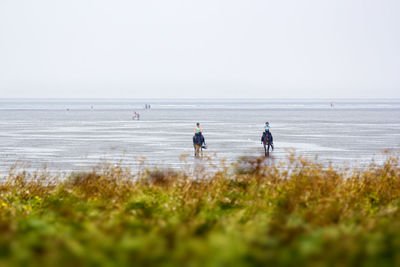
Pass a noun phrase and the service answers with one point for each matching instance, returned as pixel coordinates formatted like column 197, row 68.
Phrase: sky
column 200, row 49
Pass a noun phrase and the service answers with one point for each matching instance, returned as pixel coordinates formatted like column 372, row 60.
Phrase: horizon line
column 203, row 98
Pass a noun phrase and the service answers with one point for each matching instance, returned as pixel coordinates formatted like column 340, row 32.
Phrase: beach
column 77, row 134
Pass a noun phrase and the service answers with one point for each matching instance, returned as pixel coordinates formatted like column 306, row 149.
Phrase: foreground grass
column 297, row 214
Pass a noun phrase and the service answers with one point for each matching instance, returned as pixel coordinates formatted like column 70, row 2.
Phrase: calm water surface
column 70, row 135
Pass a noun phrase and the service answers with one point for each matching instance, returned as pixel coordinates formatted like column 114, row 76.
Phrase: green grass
column 295, row 214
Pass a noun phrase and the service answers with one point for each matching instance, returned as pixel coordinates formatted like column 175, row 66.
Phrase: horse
column 267, row 141
column 198, row 141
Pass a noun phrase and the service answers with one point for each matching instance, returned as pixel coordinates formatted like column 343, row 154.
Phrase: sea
column 68, row 135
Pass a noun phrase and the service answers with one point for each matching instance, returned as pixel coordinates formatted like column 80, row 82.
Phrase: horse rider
column 267, row 128
column 198, row 129
column 198, row 133
column 267, row 132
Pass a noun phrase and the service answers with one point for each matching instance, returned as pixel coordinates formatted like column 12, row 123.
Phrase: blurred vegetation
column 299, row 213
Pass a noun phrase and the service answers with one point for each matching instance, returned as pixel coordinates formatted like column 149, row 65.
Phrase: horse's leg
column 201, row 151
column 265, row 149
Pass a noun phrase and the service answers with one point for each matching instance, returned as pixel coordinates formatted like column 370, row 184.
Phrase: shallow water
column 69, row 135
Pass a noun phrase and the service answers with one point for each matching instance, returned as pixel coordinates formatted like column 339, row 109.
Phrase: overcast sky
column 203, row 48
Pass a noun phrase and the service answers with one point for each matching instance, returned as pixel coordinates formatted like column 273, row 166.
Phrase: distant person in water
column 136, row 116
column 198, row 129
